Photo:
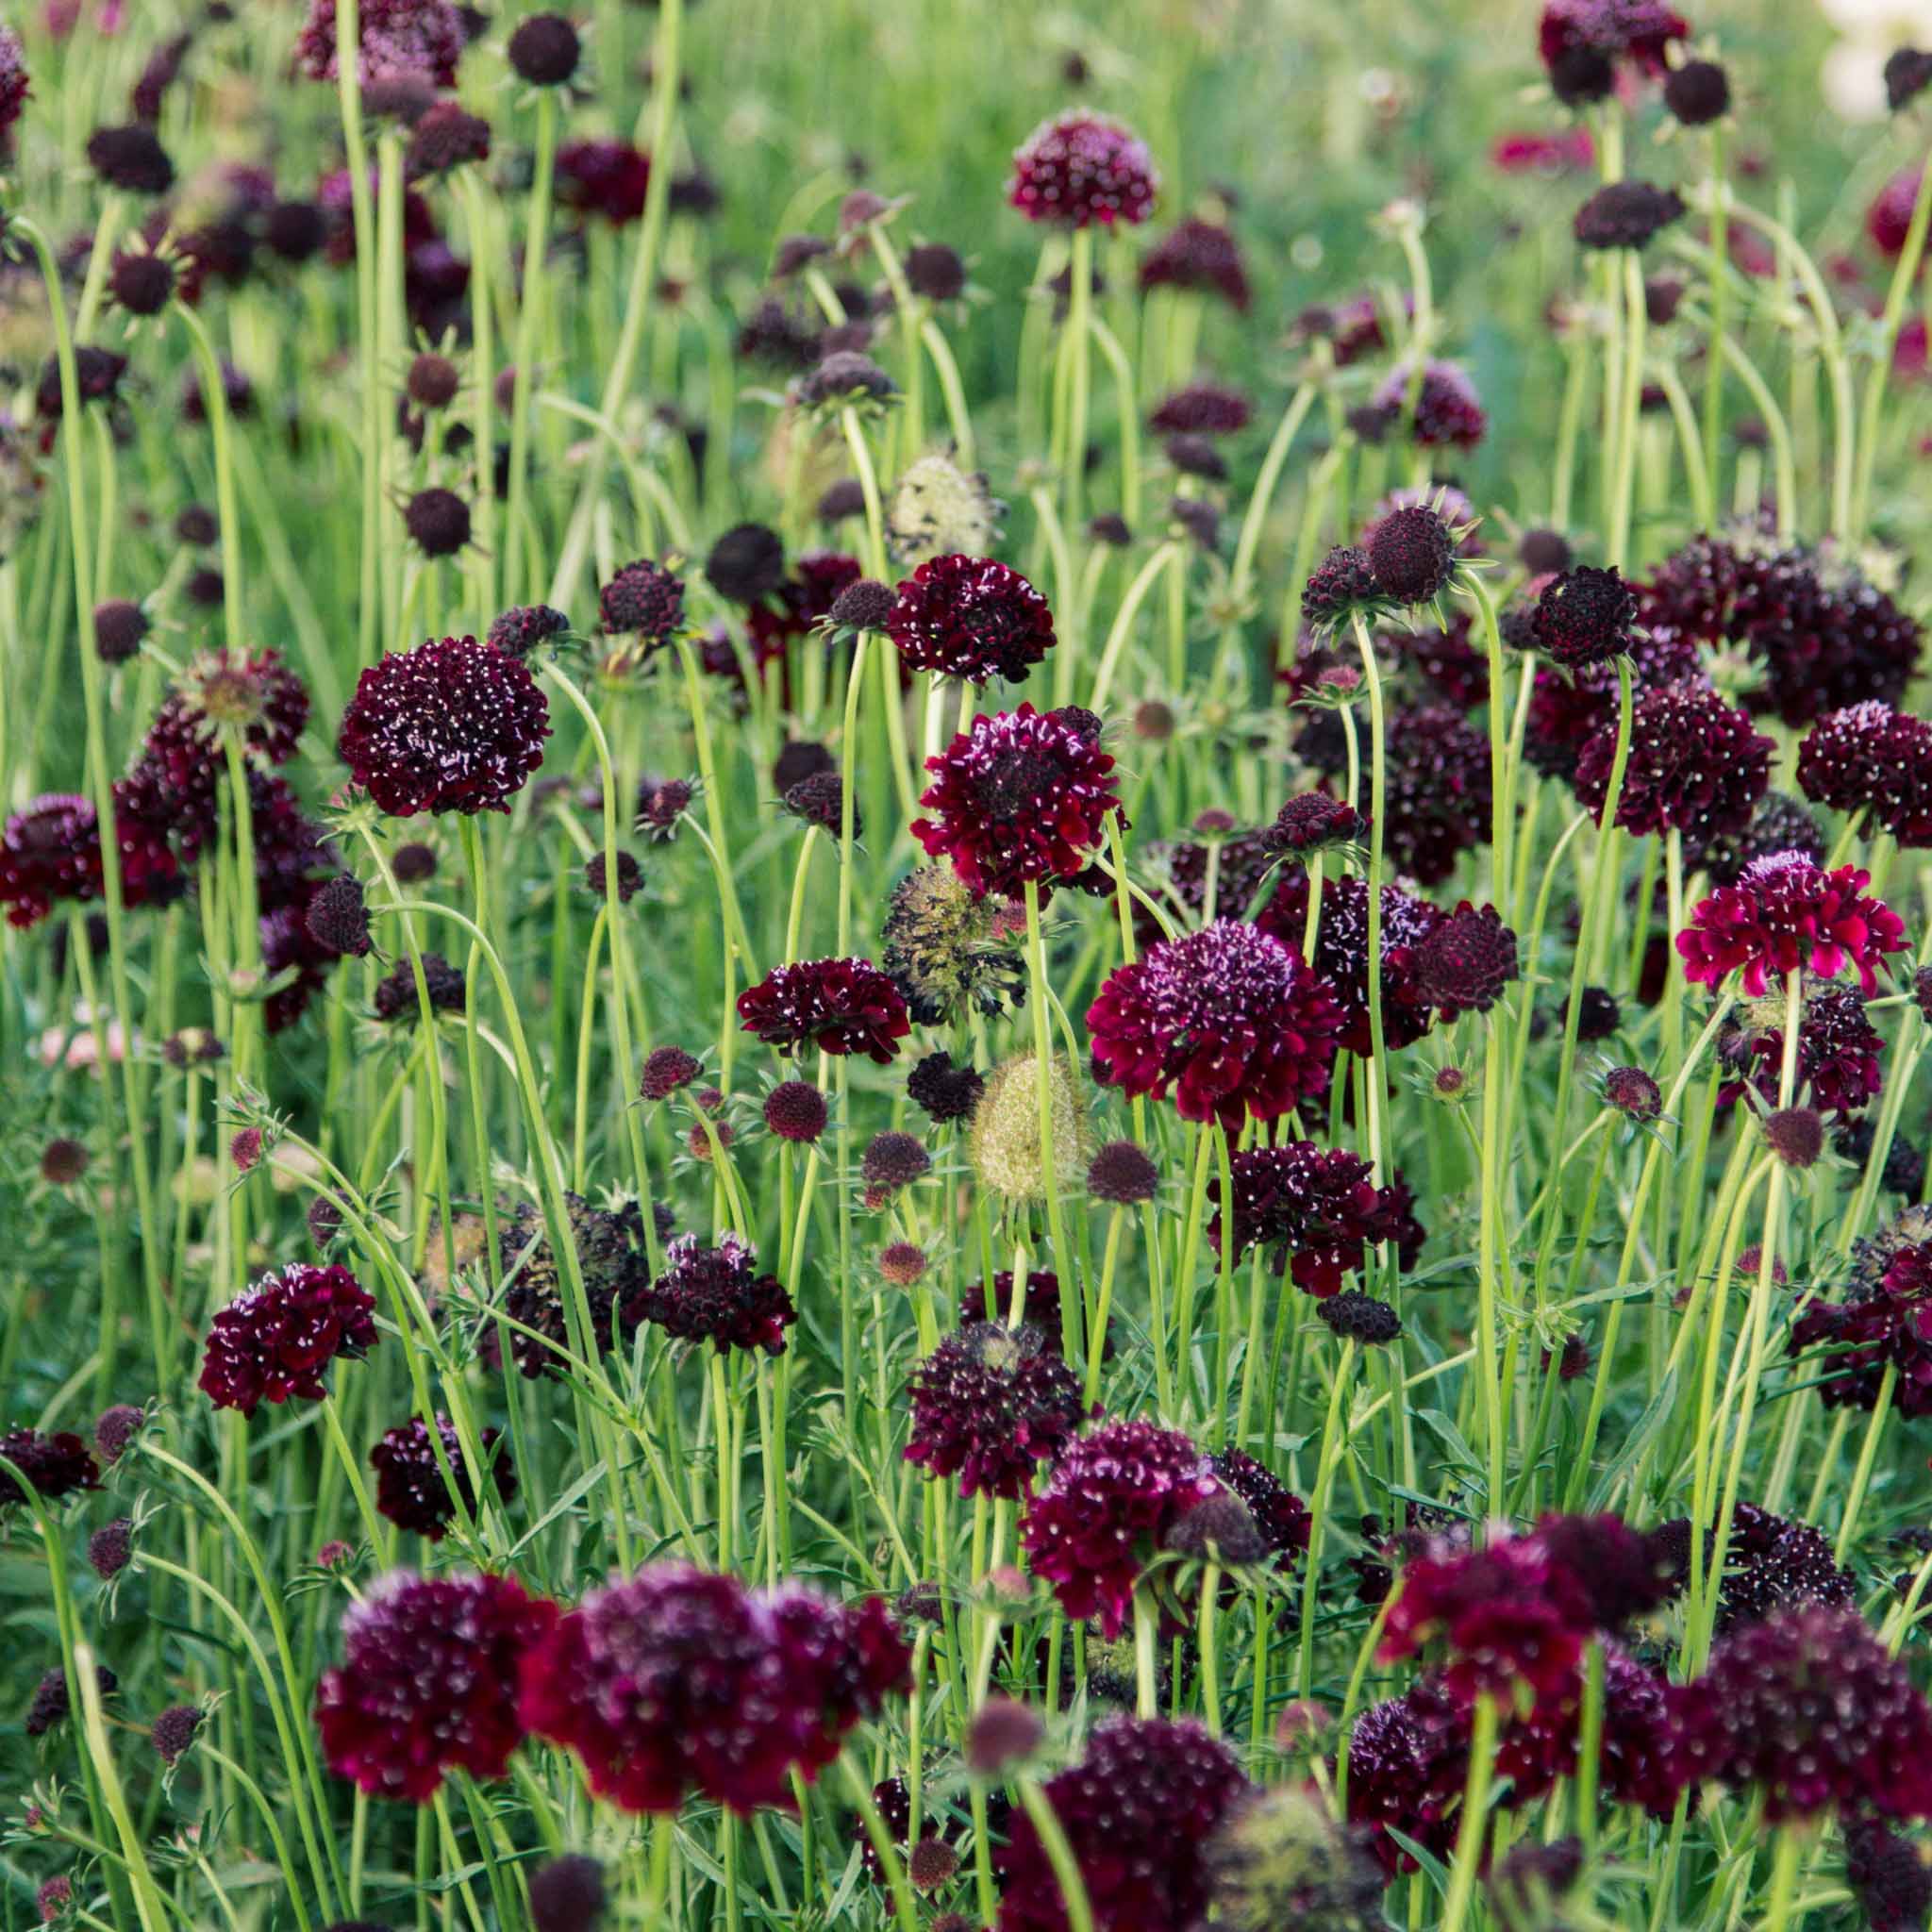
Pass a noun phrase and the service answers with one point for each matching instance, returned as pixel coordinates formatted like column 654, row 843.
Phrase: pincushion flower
column 428, row 1684
column 970, row 617
column 1228, row 1017
column 676, row 1680
column 1201, row 256
column 1874, row 1328
column 1081, row 170
column 1787, row 914
column 1318, row 1208
column 988, row 1404
column 273, row 1342
column 452, row 725
column 1871, row 758
column 54, row 1465
column 410, row 1488
column 1020, row 797
column 1694, row 765
column 396, row 39
column 1111, row 1499
column 1139, row 1811
column 1448, row 414
column 1466, row 960
column 1838, row 1063
column 716, row 1295
column 837, row 1005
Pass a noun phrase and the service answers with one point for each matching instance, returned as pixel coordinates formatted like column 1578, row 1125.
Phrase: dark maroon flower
column 1203, row 408
column 64, row 1161
column 1627, row 214
column 397, row 38
column 609, row 178
column 893, row 1160
column 795, row 1110
column 1022, row 796
column 1771, row 1563
column 1411, row 553
column 1110, row 1501
column 666, row 1070
column 1839, row 1050
column 116, row 1428
column 1437, row 790
column 1122, row 1174
column 120, row 629
column 1585, row 617
column 1139, row 1811
column 1278, row 1514
column 410, row 1488
column 1342, row 586
column 630, row 876
column 1694, row 765
column 1466, row 960
column 1887, row 1325
column 273, row 1342
column 1447, row 412
column 175, row 1730
column 1408, row 1764
column 544, row 49
column 1200, row 256
column 1810, row 1711
column 1795, row 1135
column 1886, row 1873
column 943, row 1091
column 49, row 851
column 1229, row 1018
column 438, row 521
column 1888, row 218
column 716, row 1295
column 746, row 563
column 1620, row 1573
column 660, row 806
column 1568, row 709
column 140, row 281
column 54, row 1466
column 396, row 997
column 1699, row 92
column 1319, row 1209
column 518, row 632
column 452, row 725
column 131, row 158
column 1907, row 74
column 50, row 1705
column 1080, row 169
column 1580, row 40
column 1785, row 915
column 674, row 1680
column 936, row 272
column 1360, row 1318
column 15, row 84
column 1869, row 757
column 97, row 377
column 337, row 919
column 820, row 800
column 428, row 1682
column 838, row 1006
column 988, row 1404
column 445, row 138
column 973, row 618
column 862, row 605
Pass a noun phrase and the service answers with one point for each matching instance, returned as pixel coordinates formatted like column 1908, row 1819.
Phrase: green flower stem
column 1042, row 1079
column 1719, row 221
column 1378, row 775
column 529, row 329
column 1170, row 556
column 1868, row 1452
column 1325, row 1461
column 362, row 214
column 1074, row 377
column 1475, row 1805
column 1060, row 1854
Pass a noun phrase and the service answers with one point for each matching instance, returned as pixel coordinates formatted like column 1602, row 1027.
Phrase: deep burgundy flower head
column 717, row 1295
column 820, row 800
column 567, row 1895
column 661, row 805
column 337, row 919
column 175, row 1730
column 630, row 876
column 936, row 272
column 1580, row 40
column 1314, row 822
column 1505, row 1614
column 1437, row 792
column 1620, row 1573
column 1339, row 588
column 1408, row 1764
column 1448, row 414
column 1112, row 1497
column 970, row 617
column 544, row 49
column 428, row 1684
column 1360, row 1318
column 1585, row 616
column 1319, row 1209
column 666, row 1070
column 1875, row 1326
column 1809, row 1709
column 1820, row 632
column 893, row 1159
column 1699, row 92
column 1795, row 1135
column 746, row 563
column 1888, row 1877
column 838, row 1006
column 1122, row 1174
column 49, row 851
column 97, row 377
column 120, row 629
column 1772, row 1563
column 51, row 1706
column 1229, row 1018
column 114, row 1429
column 1869, row 757
column 273, row 1342
column 1411, row 553
column 1839, row 1066
column 140, row 281
column 943, row 1091
column 843, row 375
column 1202, row 408
column 15, row 84
column 1627, row 214
column 1079, row 169
column 1139, row 1811
column 610, row 1243
column 453, row 725
column 438, row 521
column 397, row 38
column 55, row 1465
column 1787, row 914
column 518, row 632
column 1278, row 1514
column 607, row 177
column 1694, row 766
column 396, row 997
column 447, row 136
column 1341, row 953
column 675, row 1680
column 796, row 1110
column 1021, row 796
column 1201, row 256
column 1466, row 960
column 131, row 158
column 1907, row 74
column 410, row 1488
column 988, row 1404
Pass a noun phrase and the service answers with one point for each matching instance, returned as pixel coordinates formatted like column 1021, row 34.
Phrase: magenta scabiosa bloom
column 1078, row 170
column 1869, row 757
column 1110, row 1501
column 1021, row 796
column 716, row 1295
column 398, row 40
column 273, row 1342
column 410, row 1488
column 49, row 851
column 675, row 1680
column 988, row 1404
column 1808, row 1709
column 452, row 725
column 1228, row 1017
column 970, row 617
column 837, row 1005
column 1139, row 1810
column 1787, row 914
column 428, row 1684
column 1319, row 1209
column 54, row 1466
column 1695, row 766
